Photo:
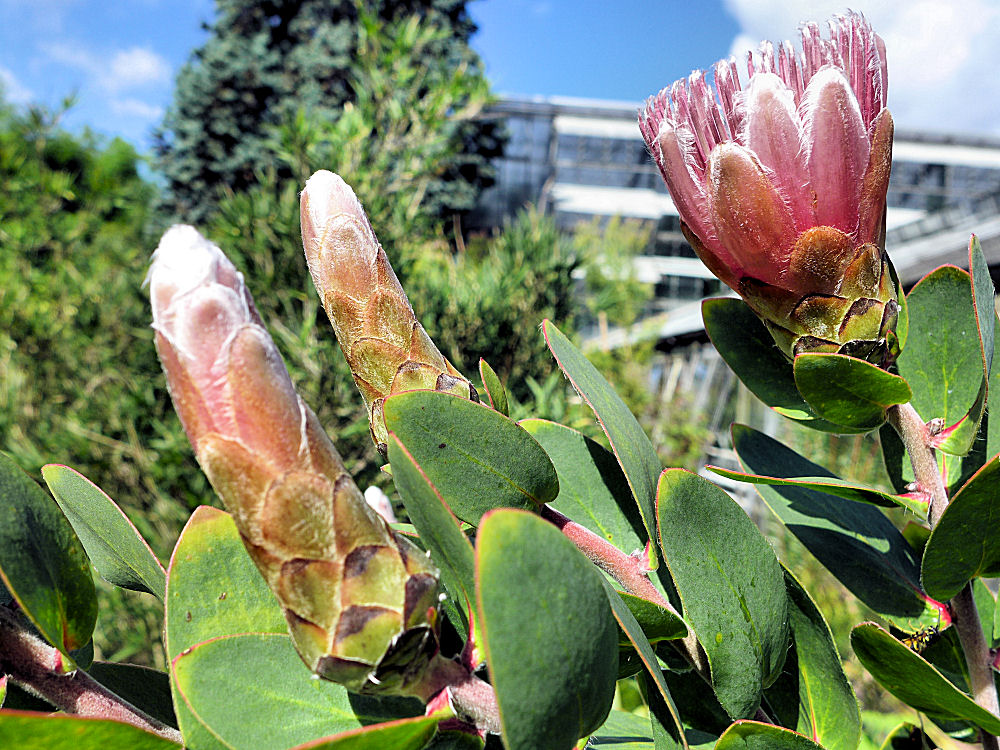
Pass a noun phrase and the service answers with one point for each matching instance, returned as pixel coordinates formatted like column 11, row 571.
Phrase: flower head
column 781, row 183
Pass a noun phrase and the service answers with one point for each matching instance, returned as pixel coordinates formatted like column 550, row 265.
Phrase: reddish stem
column 919, row 440
column 38, row 668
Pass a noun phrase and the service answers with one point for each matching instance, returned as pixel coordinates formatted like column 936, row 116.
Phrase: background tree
column 266, row 60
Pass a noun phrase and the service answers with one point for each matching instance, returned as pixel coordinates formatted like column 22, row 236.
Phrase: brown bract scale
column 357, row 596
column 386, row 348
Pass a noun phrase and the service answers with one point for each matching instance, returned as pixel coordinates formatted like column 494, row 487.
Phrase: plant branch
column 38, row 668
column 628, row 571
column 916, row 438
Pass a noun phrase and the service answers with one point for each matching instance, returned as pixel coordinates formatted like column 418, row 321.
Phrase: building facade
column 577, row 159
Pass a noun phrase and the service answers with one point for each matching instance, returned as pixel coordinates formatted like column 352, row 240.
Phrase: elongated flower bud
column 360, row 600
column 386, row 348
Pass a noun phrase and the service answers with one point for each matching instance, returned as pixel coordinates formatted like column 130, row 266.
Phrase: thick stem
column 627, row 570
column 977, row 656
column 916, row 438
column 37, row 667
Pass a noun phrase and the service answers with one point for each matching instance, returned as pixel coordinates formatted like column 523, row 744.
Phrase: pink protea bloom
column 781, row 184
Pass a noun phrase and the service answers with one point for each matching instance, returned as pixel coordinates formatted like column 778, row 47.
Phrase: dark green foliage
column 79, row 380
column 265, row 61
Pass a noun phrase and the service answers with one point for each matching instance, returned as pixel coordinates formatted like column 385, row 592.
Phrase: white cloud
column 941, row 53
column 137, row 67
column 124, row 70
column 136, row 108
column 13, row 90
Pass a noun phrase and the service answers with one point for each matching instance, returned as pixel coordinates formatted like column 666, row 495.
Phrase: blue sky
column 121, row 56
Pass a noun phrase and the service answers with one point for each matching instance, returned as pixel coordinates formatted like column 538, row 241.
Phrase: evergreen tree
column 267, row 60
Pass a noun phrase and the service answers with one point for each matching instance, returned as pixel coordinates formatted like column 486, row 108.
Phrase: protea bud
column 386, row 348
column 360, row 600
column 781, row 185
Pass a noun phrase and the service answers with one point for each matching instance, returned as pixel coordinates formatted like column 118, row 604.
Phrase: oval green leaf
column 437, row 526
column 914, row 680
column 34, row 731
column 753, row 735
column 730, row 584
column 749, row 350
column 960, row 437
column 965, row 543
column 848, row 391
column 631, row 446
column 661, row 703
column 593, row 491
column 270, row 681
column 495, row 391
column 477, row 458
column 113, row 543
column 943, row 357
column 401, row 734
column 854, row 541
column 550, row 639
column 42, row 563
column 813, row 696
column 833, row 485
column 213, row 589
column 623, row 731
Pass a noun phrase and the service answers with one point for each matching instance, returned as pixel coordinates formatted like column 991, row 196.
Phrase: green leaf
column 854, row 541
column 829, row 484
column 145, row 688
column 965, row 543
column 661, row 703
column 908, row 737
column 753, row 735
column 623, row 731
column 913, row 680
column 549, row 637
column 113, row 544
column 749, row 350
column 213, row 590
column 42, row 563
column 959, row 438
column 943, row 358
column 631, row 446
column 476, row 457
column 593, row 491
column 439, row 529
column 730, row 584
column 401, row 734
column 34, row 731
column 271, row 682
column 495, row 391
column 848, row 391
column 657, row 622
column 822, row 704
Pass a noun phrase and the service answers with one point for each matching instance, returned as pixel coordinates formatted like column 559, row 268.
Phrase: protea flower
column 386, row 348
column 360, row 600
column 780, row 185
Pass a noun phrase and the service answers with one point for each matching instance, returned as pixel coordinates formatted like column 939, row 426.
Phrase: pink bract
column 804, row 143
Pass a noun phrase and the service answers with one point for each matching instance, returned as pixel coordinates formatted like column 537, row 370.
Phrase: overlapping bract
column 386, row 348
column 781, row 184
column 360, row 600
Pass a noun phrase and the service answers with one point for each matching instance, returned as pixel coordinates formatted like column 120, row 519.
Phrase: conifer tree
column 267, row 60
